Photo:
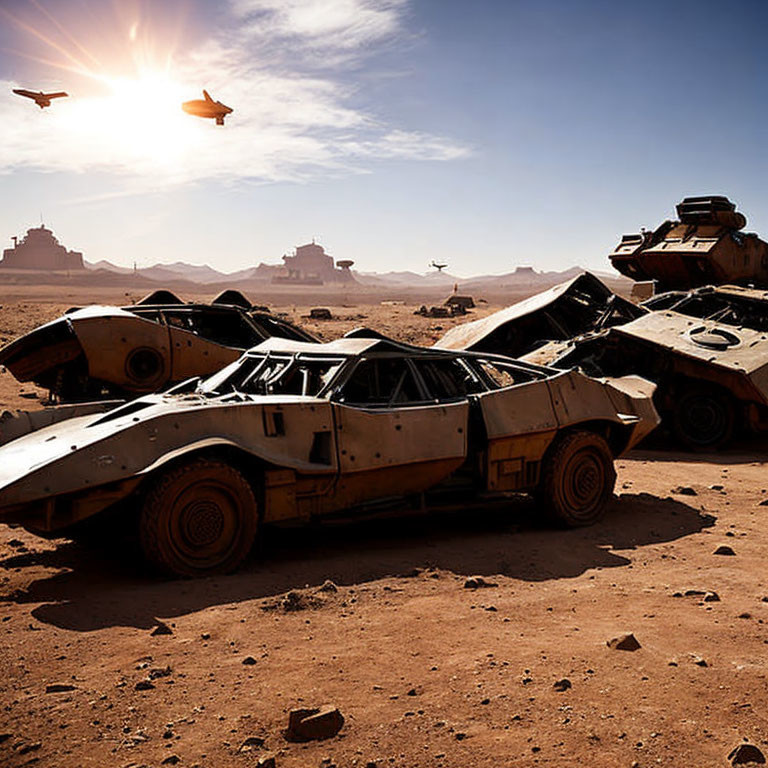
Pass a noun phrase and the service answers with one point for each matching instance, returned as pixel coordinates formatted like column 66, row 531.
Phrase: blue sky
column 487, row 134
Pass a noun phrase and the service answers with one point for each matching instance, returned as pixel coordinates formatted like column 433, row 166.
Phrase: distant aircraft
column 207, row 108
column 40, row 98
column 438, row 267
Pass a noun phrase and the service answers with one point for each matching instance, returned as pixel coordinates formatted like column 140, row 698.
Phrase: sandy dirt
column 425, row 671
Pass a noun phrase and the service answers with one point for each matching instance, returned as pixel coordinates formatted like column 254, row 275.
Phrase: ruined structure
column 311, row 265
column 39, row 249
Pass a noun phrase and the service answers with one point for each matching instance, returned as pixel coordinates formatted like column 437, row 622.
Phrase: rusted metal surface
column 704, row 246
column 711, row 339
column 580, row 305
column 103, row 351
column 318, row 428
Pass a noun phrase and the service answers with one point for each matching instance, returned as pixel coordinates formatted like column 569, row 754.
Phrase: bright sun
column 139, row 121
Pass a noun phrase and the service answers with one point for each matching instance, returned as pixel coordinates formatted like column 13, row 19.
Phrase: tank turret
column 703, row 246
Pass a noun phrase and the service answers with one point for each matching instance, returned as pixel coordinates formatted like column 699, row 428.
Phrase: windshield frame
column 286, row 362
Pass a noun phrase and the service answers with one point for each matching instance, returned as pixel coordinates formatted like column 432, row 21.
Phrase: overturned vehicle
column 106, row 352
column 296, row 430
column 706, row 350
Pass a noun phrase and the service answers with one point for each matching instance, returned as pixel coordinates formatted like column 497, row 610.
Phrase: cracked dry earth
column 104, row 664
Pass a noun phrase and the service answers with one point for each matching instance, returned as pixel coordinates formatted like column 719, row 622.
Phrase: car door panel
column 397, row 451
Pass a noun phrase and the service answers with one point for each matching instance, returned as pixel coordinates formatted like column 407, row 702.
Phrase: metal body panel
column 521, row 409
column 566, row 310
column 374, row 439
column 312, row 455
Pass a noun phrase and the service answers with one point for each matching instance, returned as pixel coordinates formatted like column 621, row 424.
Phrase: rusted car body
column 295, row 430
column 103, row 351
column 704, row 246
column 563, row 312
column 705, row 349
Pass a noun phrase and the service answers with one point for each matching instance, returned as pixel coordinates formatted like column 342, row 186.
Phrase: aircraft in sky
column 207, row 108
column 438, row 267
column 39, row 97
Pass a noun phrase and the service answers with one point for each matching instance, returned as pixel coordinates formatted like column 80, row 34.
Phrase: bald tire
column 577, row 479
column 198, row 519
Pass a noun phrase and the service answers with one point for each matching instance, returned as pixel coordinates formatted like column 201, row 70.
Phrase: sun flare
column 142, row 118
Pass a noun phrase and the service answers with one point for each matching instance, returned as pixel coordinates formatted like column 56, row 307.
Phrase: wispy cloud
column 295, row 115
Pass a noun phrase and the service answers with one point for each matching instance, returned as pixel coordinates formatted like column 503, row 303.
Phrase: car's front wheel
column 198, row 518
column 577, row 479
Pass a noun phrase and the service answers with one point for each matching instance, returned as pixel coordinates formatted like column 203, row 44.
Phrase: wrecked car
column 570, row 309
column 705, row 349
column 296, row 431
column 705, row 245
column 107, row 352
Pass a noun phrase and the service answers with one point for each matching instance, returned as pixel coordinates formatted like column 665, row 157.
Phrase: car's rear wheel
column 199, row 518
column 703, row 418
column 577, row 479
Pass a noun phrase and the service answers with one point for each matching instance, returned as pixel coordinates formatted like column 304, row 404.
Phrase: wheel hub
column 203, row 523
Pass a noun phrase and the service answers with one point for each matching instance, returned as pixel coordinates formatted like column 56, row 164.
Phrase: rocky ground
column 472, row 638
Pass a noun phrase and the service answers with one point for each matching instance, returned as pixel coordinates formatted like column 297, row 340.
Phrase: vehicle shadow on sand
column 95, row 589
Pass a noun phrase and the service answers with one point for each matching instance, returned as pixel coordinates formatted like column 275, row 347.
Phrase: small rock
column 252, row 742
column 711, row 597
column 627, row 642
column 328, row 586
column 763, row 503
column 699, row 661
column 171, row 760
column 724, row 550
column 205, row 636
column 694, row 592
column 27, row 748
column 460, row 735
column 745, row 615
column 59, row 687
column 249, row 661
column 746, row 753
column 158, row 672
column 314, row 724
column 161, row 628
column 144, row 685
column 716, row 487
column 267, row 761
column 684, row 490
column 478, row 582
column 562, row 685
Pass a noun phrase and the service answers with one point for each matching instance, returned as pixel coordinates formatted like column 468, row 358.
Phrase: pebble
column 249, row 661
column 746, row 753
column 724, row 550
column 562, row 685
column 627, row 642
column 313, row 724
column 59, row 687
column 478, row 582
column 144, row 685
column 684, row 490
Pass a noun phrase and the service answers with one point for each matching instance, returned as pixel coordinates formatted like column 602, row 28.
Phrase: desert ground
column 106, row 664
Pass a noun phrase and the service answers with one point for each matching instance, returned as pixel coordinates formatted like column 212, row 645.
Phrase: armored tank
column 704, row 246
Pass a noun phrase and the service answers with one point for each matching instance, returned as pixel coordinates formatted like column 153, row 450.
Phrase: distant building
column 39, row 249
column 311, row 265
